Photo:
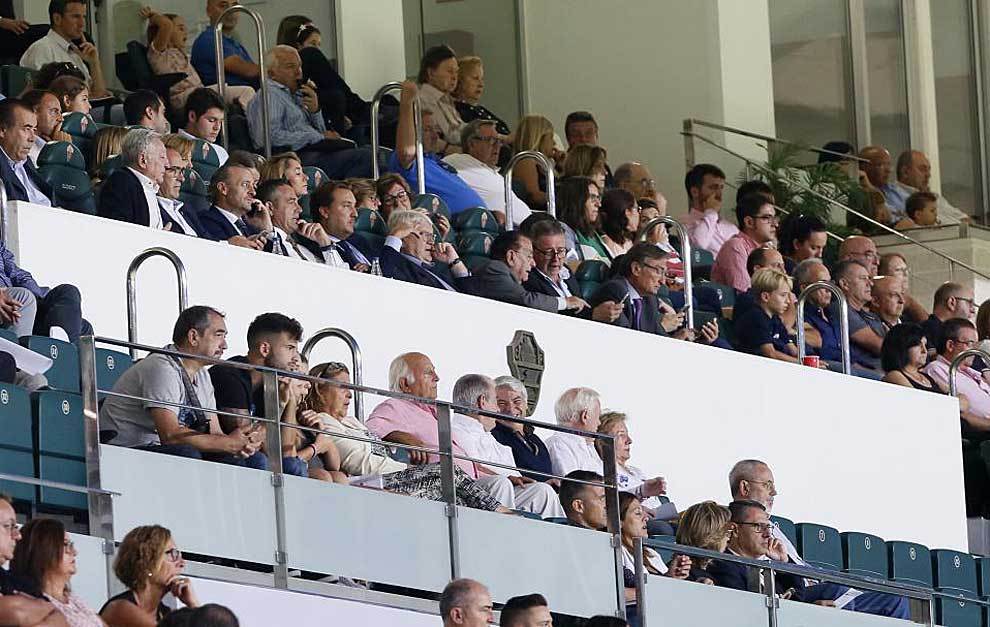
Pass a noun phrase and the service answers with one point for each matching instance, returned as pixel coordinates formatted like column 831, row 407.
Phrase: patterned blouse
column 170, row 61
column 76, row 612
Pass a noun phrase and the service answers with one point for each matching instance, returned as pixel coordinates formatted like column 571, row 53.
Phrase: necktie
column 241, row 226
column 281, row 245
column 335, row 258
column 637, row 310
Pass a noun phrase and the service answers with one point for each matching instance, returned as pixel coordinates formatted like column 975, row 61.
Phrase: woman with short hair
column 437, row 79
column 706, row 525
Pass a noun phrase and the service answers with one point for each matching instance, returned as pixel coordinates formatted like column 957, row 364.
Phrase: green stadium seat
column 431, row 203
column 370, row 221
column 590, row 275
column 204, row 159
column 109, row 366
column 82, row 127
column 375, row 242
column 477, row 219
column 61, row 446
column 16, row 441
column 786, row 527
column 983, row 575
column 909, row 562
column 8, row 334
column 954, row 572
column 725, row 294
column 14, row 79
column 474, row 243
column 64, row 373
column 62, row 165
column 109, row 166
column 864, row 554
column 195, row 191
column 958, row 613
column 701, row 263
column 819, row 545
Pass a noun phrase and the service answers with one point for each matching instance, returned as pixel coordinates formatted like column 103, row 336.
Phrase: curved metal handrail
column 376, row 104
column 682, row 235
column 887, row 230
column 843, row 320
column 957, row 363
column 770, row 138
column 222, row 75
column 180, row 273
column 356, row 372
column 542, row 161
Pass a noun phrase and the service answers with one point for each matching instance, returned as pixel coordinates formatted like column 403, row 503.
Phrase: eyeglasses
column 488, row 140
column 769, row 485
column 760, row 527
column 971, row 301
column 658, row 269
column 771, row 218
column 174, row 555
column 552, row 252
column 595, row 198
column 966, row 343
column 9, row 527
column 174, row 169
column 390, row 199
column 649, row 183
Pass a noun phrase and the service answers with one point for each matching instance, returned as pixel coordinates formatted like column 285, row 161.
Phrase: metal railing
column 417, row 127
column 180, row 275
column 925, row 596
column 682, row 236
column 843, row 321
column 690, row 135
column 102, row 511
column 4, row 215
column 222, row 74
column 356, row 374
column 957, row 364
column 542, row 162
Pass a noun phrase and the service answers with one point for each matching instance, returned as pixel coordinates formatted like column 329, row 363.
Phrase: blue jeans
column 867, row 603
column 295, row 466
column 258, row 461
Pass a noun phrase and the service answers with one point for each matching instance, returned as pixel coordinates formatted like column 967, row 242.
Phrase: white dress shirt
column 34, row 194
column 481, row 444
column 286, row 247
column 570, row 452
column 39, row 143
column 560, row 288
column 150, row 189
column 333, row 256
column 172, row 208
column 488, row 183
column 222, row 155
column 54, row 48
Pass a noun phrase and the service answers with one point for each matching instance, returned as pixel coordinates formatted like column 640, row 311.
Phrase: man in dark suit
column 335, row 209
column 503, row 276
column 232, row 193
column 411, row 255
column 643, row 269
column 547, row 276
column 17, row 131
column 131, row 192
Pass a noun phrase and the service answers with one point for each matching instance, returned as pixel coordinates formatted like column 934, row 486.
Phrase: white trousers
column 538, row 498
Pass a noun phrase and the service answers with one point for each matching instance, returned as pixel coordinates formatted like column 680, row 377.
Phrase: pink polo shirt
column 730, row 263
column 708, row 230
column 418, row 420
column 969, row 383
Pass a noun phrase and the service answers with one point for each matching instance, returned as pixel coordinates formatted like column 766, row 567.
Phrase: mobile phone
column 624, row 299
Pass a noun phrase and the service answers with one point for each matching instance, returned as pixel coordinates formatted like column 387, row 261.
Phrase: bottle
column 376, row 267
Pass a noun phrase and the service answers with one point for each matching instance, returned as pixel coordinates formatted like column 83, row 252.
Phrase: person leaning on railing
column 150, row 565
column 150, row 421
column 633, row 519
column 326, row 407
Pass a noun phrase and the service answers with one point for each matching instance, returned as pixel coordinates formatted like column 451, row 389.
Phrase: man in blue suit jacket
column 335, row 209
column 232, row 193
column 411, row 255
column 17, row 132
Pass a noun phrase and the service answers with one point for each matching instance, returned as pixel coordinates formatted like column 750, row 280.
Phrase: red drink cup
column 811, row 360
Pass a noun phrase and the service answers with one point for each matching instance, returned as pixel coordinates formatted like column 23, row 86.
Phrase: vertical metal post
column 682, row 235
column 418, row 126
column 689, row 158
column 843, row 321
column 614, row 521
column 640, row 581
column 273, row 444
column 100, row 505
column 222, row 77
column 856, row 14
column 976, row 28
column 931, row 612
column 376, row 104
column 180, row 275
column 448, row 486
column 4, row 219
column 772, row 601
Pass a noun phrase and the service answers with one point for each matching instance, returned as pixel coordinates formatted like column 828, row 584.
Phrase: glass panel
column 90, row 581
column 673, row 602
column 887, row 77
column 812, row 80
column 955, row 93
column 794, row 614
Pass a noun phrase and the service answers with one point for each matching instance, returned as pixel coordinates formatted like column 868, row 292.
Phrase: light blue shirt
column 896, row 195
column 20, row 171
column 291, row 124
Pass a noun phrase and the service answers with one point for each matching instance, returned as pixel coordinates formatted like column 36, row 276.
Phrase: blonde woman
column 705, row 525
column 288, row 166
column 533, row 132
column 150, row 565
column 587, row 160
column 106, row 143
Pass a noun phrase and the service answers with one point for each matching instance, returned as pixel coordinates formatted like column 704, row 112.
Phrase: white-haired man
column 410, row 253
column 131, row 192
column 528, row 449
column 473, row 432
column 577, row 408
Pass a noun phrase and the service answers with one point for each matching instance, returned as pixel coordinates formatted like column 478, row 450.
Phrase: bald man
column 873, row 176
column 914, row 173
column 296, row 122
column 862, row 249
column 888, row 299
column 466, row 603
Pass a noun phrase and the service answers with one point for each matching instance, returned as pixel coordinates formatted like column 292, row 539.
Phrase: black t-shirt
column 232, row 388
column 755, row 328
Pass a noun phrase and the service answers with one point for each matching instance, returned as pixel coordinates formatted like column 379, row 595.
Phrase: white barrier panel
column 573, row 568
column 90, row 580
column 211, row 509
column 366, row 534
column 849, row 453
column 265, row 607
column 673, row 602
column 794, row 614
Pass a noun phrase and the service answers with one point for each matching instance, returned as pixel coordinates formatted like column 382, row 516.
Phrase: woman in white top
column 437, row 80
column 634, row 526
column 632, row 479
column 45, row 558
column 359, row 457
